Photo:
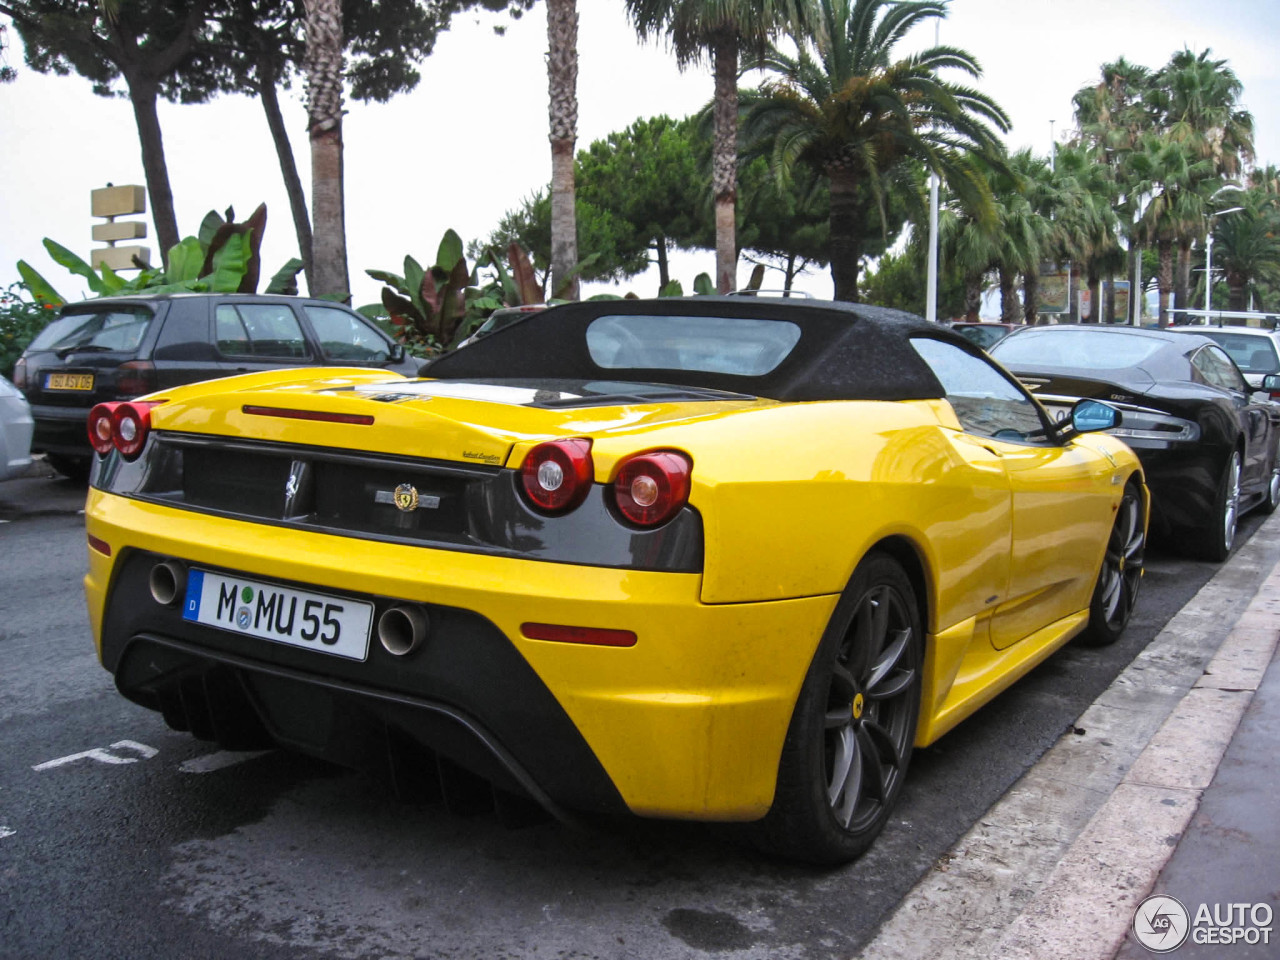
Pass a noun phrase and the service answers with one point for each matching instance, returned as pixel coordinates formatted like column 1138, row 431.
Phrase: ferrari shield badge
column 406, row 498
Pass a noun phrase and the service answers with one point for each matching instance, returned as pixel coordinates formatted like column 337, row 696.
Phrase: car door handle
column 993, row 450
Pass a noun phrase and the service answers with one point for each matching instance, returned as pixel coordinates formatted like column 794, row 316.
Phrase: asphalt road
column 120, row 838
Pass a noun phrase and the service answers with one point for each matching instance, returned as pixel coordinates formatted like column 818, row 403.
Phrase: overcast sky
column 471, row 141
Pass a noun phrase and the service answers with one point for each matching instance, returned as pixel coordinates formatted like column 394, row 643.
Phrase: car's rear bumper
column 1183, row 479
column 689, row 722
column 61, row 430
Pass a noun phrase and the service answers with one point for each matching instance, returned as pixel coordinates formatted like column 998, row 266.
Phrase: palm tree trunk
column 664, row 266
column 844, row 235
column 1165, row 248
column 972, row 298
column 562, row 81
column 1008, row 296
column 1108, row 314
column 1031, row 296
column 1095, row 296
column 1237, row 286
column 288, row 167
column 724, row 162
column 324, row 114
column 142, row 95
column 1182, row 283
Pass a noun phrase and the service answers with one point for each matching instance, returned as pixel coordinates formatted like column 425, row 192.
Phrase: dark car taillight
column 121, row 425
column 135, row 377
column 651, row 488
column 20, row 373
column 557, row 474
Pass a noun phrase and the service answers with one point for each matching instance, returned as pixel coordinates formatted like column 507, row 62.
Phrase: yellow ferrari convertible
column 721, row 559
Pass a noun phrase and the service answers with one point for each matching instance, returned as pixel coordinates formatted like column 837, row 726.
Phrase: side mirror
column 1088, row 416
column 1271, row 383
column 397, row 352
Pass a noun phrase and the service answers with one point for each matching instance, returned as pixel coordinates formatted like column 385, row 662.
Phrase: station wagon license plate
column 68, row 381
column 315, row 621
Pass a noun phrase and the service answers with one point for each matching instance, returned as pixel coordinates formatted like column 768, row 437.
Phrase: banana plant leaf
column 209, row 227
column 115, row 283
column 64, row 257
column 702, row 285
column 40, row 288
column 185, row 261
column 230, row 264
column 390, row 279
column 527, row 287
column 285, row 280
column 450, row 252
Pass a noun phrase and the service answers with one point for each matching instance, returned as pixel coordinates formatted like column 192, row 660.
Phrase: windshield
column 114, row 328
column 734, row 345
column 1252, row 354
column 1079, row 349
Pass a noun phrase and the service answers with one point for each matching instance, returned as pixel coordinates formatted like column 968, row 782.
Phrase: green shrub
column 21, row 319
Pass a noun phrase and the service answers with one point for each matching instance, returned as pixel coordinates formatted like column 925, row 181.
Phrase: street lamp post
column 1208, row 261
column 931, row 276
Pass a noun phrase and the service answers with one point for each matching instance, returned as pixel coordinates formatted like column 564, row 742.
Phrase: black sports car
column 1207, row 445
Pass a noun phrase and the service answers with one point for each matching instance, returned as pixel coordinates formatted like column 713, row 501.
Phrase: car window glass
column 259, row 330
column 734, row 345
column 344, row 336
column 985, row 402
column 1217, row 369
column 1252, row 354
column 104, row 330
column 1078, row 349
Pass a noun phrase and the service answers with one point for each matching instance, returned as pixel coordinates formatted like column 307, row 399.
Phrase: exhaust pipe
column 168, row 582
column 402, row 629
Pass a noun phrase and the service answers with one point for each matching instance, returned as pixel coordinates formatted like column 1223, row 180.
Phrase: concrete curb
column 1064, row 858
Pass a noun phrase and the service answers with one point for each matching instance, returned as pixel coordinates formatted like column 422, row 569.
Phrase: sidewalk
column 1130, row 805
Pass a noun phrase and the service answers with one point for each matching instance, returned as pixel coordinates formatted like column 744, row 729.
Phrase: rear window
column 1079, row 349
column 1251, row 354
column 112, row 329
column 733, row 345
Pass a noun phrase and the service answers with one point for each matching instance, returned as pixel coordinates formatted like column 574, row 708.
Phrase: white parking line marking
column 217, row 761
column 103, row 755
column 6, row 832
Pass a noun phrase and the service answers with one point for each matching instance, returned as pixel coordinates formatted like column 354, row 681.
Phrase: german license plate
column 68, row 381
column 314, row 621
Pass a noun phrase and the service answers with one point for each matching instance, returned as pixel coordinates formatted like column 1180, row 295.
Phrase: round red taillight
column 651, row 488
column 557, row 474
column 130, row 424
column 101, row 432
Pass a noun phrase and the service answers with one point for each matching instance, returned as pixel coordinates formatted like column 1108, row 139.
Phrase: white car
column 1256, row 352
column 15, row 431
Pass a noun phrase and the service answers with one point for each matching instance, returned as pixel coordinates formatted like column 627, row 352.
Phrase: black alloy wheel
column 851, row 736
column 1116, row 591
column 1218, row 536
column 1271, row 496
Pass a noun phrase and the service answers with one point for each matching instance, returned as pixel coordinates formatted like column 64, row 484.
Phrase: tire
column 854, row 725
column 1219, row 535
column 1271, row 495
column 1116, row 591
column 74, row 468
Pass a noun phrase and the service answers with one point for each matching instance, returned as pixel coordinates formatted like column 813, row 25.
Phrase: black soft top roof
column 846, row 351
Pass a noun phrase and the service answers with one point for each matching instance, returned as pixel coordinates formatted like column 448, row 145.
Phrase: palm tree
column 719, row 29
column 1246, row 246
column 324, row 123
column 843, row 107
column 1170, row 174
column 562, row 79
column 1196, row 100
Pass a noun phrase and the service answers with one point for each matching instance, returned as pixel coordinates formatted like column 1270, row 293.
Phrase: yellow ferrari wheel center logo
column 406, row 497
column 857, row 706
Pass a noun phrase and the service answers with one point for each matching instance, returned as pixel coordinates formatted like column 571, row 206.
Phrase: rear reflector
column 590, row 635
column 359, row 420
column 101, row 546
